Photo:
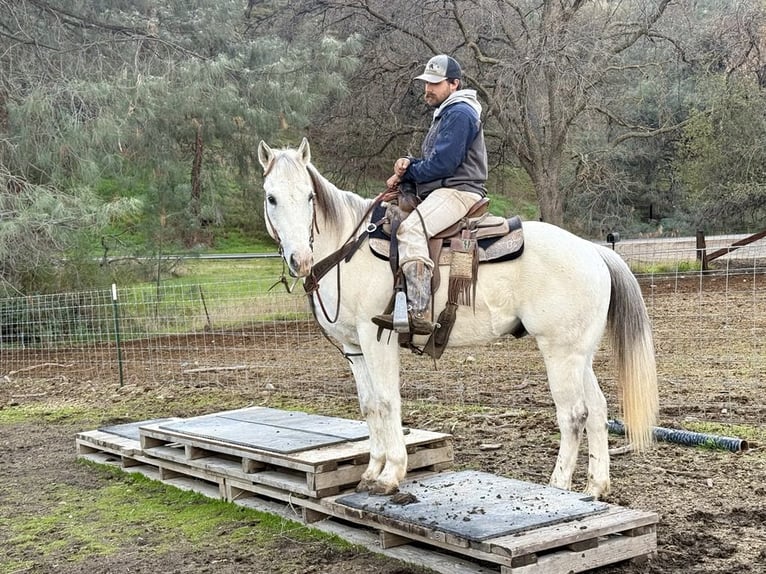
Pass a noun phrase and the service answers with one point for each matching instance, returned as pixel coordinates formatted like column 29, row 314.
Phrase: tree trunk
column 196, row 183
column 549, row 196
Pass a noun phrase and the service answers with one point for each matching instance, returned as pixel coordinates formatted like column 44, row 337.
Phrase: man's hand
column 401, row 165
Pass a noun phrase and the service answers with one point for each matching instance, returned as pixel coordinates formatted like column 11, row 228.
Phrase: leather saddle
column 498, row 239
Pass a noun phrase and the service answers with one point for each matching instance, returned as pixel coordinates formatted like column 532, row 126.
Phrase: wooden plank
column 114, row 442
column 736, row 245
column 107, row 459
column 616, row 519
column 125, row 456
column 351, row 450
column 391, row 540
column 609, row 551
column 238, row 489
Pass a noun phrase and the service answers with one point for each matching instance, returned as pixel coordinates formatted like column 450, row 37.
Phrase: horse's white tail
column 631, row 336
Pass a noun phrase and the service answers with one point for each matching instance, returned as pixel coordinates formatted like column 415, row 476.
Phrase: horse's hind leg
column 580, row 405
column 565, row 378
column 597, row 434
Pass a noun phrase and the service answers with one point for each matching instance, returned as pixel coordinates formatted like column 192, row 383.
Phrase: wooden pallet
column 307, row 474
column 579, row 545
column 313, row 473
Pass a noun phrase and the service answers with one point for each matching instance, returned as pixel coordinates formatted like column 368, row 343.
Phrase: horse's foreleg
column 386, row 415
column 377, row 378
column 365, row 393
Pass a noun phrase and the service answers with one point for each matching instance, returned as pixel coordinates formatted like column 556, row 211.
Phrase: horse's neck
column 347, row 223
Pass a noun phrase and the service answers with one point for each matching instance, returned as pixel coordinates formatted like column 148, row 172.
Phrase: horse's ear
column 265, row 155
column 305, row 152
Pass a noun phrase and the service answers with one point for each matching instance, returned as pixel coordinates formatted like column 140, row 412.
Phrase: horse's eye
column 271, row 199
column 311, row 197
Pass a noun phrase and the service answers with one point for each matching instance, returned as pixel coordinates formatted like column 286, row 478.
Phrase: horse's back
column 560, row 284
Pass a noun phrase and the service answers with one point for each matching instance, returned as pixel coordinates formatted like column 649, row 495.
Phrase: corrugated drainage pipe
column 688, row 438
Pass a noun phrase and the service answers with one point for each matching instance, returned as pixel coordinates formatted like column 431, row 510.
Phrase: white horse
column 565, row 291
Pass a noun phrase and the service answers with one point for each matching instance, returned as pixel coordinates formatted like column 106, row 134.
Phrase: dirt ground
column 711, row 503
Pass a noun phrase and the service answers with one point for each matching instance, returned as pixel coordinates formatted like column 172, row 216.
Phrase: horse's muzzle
column 300, row 265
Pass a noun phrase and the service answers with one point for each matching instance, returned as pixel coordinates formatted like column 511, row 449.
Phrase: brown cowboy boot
column 418, row 279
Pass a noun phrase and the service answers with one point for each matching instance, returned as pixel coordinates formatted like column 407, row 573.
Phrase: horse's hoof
column 597, row 492
column 365, row 486
column 383, row 489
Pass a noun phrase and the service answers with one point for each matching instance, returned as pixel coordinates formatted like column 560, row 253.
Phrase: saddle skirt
column 498, row 239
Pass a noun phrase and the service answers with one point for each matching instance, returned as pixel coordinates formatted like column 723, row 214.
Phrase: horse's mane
column 331, row 200
column 333, row 203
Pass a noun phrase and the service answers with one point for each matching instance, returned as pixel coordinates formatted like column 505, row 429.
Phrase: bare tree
column 537, row 65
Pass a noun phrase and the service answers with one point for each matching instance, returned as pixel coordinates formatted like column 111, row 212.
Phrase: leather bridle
column 325, row 265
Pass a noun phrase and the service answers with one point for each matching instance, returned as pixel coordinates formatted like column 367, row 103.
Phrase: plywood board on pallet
column 475, row 506
column 251, row 435
column 270, row 429
column 332, row 426
column 330, row 480
column 318, row 459
column 130, row 430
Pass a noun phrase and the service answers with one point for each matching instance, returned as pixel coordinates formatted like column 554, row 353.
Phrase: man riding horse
column 449, row 179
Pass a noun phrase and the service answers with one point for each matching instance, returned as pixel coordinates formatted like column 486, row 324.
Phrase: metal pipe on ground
column 688, row 438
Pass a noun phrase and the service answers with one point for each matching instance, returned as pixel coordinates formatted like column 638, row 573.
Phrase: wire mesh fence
column 709, row 330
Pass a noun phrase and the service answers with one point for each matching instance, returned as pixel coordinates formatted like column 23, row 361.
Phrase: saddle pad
column 477, row 505
column 492, row 249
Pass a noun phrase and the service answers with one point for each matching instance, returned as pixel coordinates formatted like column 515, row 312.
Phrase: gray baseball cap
column 440, row 68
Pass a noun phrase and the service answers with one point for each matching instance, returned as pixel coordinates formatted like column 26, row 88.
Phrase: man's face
column 435, row 94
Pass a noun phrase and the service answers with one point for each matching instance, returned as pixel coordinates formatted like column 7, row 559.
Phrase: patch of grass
column 657, row 268
column 204, row 271
column 84, row 523
column 232, row 240
column 507, row 207
column 48, row 412
column 750, row 433
column 133, row 409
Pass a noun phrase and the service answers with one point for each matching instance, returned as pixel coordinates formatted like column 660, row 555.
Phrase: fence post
column 117, row 329
column 701, row 249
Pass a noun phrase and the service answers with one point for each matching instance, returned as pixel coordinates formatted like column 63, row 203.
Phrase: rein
column 344, row 253
column 323, row 267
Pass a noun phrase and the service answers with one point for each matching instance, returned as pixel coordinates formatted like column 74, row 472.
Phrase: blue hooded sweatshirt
column 453, row 152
